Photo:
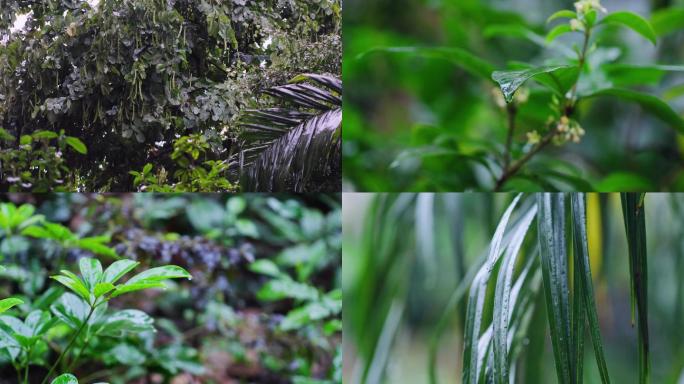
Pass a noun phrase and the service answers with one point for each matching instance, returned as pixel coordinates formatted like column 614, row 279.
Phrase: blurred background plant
column 416, row 265
column 433, row 120
column 264, row 304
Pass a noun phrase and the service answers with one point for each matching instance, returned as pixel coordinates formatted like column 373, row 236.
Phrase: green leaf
column 76, row 144
column 622, row 75
column 562, row 14
column 96, row 246
column 118, row 269
column 44, row 135
column 624, row 181
column 6, row 304
column 462, row 58
column 66, row 378
column 265, row 267
column 128, row 288
column 667, row 20
column 37, row 232
column 633, row 21
column 102, row 289
column 75, row 284
column 128, row 321
column 286, row 289
column 651, row 103
column 160, row 273
column 635, row 229
column 91, row 270
column 558, row 30
column 510, row 81
column 583, row 274
column 476, row 299
column 551, row 229
column 502, row 299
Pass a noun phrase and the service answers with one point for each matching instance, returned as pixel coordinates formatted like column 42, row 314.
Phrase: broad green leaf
column 128, row 321
column 674, row 92
column 103, row 289
column 624, row 181
column 510, row 81
column 117, row 270
column 6, row 304
column 635, row 228
column 96, row 246
column 66, row 378
column 473, row 321
column 460, row 57
column 667, row 20
column 265, row 267
column 558, row 30
column 502, row 299
column 128, row 288
column 58, row 232
column 44, row 135
column 73, row 310
column 37, row 232
column 551, row 229
column 76, row 144
column 91, row 270
column 652, row 104
column 76, row 285
column 633, row 21
column 583, row 278
column 160, row 273
column 286, row 289
column 629, row 74
column 568, row 14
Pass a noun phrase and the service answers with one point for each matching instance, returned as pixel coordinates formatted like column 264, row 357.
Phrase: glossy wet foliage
column 141, row 288
column 520, row 96
column 112, row 86
column 530, row 288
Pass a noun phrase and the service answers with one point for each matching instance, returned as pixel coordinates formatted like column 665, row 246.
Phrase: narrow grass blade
column 583, row 280
column 502, row 298
column 476, row 300
column 551, row 222
column 635, row 228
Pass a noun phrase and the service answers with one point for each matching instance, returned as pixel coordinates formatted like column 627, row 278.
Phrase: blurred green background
column 415, row 124
column 394, row 297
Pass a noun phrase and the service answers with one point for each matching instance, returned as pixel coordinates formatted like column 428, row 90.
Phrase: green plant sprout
column 84, row 311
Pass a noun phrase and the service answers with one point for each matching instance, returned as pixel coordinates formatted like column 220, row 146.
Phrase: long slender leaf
column 552, row 247
column 584, row 281
column 462, row 58
column 635, row 228
column 502, row 298
column 476, row 300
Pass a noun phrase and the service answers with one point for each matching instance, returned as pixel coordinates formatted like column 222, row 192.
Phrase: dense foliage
column 80, row 289
column 148, row 82
column 517, row 95
column 502, row 288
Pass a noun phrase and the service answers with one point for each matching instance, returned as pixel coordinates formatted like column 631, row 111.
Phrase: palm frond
column 635, row 228
column 296, row 146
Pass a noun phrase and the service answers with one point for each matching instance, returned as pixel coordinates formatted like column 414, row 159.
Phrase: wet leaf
column 510, row 81
column 633, row 21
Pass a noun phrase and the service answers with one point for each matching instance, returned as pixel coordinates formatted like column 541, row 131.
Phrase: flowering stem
column 512, row 169
column 515, row 167
column 511, row 110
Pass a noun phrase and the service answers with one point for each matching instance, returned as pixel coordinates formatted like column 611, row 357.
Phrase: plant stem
column 78, row 355
column 71, row 343
column 511, row 110
column 26, row 368
column 515, row 167
column 569, row 106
